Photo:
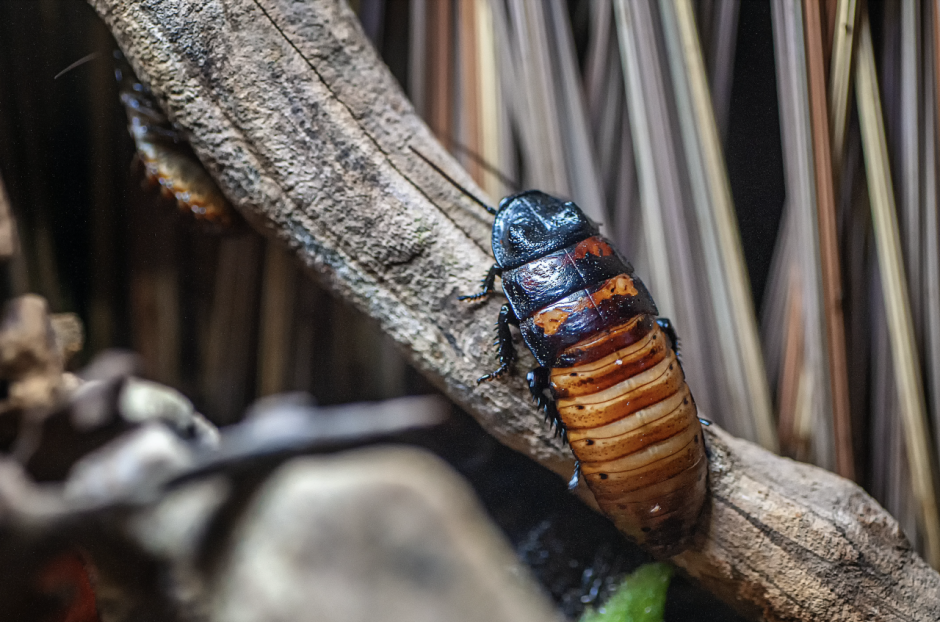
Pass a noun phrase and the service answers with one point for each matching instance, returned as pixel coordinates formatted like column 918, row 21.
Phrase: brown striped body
column 632, row 423
column 168, row 160
column 607, row 374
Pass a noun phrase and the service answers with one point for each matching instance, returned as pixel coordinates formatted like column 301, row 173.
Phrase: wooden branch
column 308, row 134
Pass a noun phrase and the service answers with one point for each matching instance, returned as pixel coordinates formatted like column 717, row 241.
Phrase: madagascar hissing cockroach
column 608, row 376
column 168, row 160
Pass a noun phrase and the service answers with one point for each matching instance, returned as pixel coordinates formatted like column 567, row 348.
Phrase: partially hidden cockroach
column 608, row 376
column 167, row 158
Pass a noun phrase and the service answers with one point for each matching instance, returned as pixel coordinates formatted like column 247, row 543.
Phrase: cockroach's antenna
column 81, row 61
column 510, row 183
column 488, row 208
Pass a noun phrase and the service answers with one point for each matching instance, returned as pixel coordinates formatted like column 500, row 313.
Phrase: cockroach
column 168, row 160
column 609, row 377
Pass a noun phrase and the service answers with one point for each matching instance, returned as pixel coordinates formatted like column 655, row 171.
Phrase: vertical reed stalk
column 894, row 284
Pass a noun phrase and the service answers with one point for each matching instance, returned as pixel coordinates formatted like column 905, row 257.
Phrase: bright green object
column 640, row 598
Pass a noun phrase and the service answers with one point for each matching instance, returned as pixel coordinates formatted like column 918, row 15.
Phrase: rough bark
column 308, row 134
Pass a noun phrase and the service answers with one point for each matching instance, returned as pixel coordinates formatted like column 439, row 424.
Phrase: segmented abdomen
column 632, row 423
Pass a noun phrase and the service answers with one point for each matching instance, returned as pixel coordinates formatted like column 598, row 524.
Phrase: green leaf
column 640, row 598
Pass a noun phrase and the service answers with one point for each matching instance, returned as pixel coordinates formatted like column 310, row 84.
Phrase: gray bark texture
column 308, row 134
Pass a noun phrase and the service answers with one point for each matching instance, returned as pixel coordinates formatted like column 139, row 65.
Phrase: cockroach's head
column 532, row 224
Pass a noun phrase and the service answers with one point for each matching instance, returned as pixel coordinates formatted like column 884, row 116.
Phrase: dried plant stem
column 655, row 235
column 828, row 244
column 894, row 286
column 840, row 74
column 721, row 213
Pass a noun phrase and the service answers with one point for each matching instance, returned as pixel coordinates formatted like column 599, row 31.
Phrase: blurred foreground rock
column 374, row 534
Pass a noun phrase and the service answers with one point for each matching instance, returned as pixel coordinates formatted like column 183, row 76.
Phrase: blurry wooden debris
column 69, row 334
column 134, row 464
column 104, row 404
column 8, row 240
column 30, row 356
column 288, row 424
column 143, row 401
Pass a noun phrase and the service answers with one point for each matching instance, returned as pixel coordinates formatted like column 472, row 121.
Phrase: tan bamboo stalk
column 578, row 153
column 894, row 285
column 796, row 131
column 931, row 257
column 840, row 80
column 491, row 125
column 417, row 55
column 440, row 58
column 278, row 288
column 828, row 244
column 720, row 211
column 469, row 94
column 654, row 233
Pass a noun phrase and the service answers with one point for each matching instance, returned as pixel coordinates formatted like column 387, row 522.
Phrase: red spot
column 69, row 577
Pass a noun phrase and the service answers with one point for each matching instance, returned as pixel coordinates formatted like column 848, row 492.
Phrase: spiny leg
column 488, row 281
column 576, row 476
column 666, row 325
column 539, row 384
column 507, row 351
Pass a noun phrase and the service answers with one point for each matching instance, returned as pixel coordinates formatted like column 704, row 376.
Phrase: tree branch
column 308, row 134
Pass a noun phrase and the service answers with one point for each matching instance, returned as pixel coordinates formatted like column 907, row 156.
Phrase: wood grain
column 307, row 133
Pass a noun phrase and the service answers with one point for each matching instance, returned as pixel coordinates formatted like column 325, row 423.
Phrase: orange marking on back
column 620, row 285
column 551, row 318
column 592, row 246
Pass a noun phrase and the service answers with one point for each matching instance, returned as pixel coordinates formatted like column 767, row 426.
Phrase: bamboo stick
column 578, row 153
column 491, row 121
column 654, row 232
column 536, row 113
column 908, row 160
column 278, row 289
column 840, row 80
column 720, row 202
column 791, row 366
column 796, row 132
column 721, row 52
column 931, row 259
column 716, row 386
column 228, row 366
column 417, row 55
column 468, row 128
column 440, row 66
column 828, row 245
column 894, row 284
